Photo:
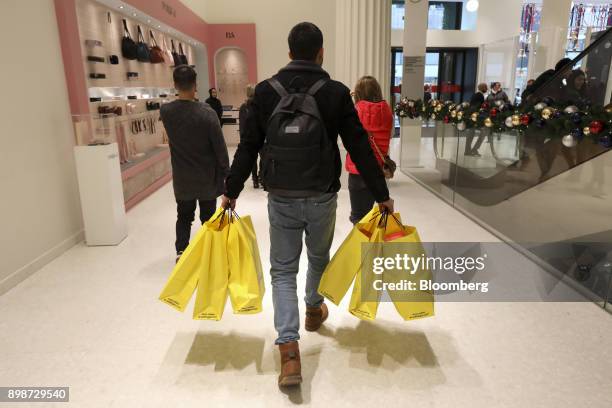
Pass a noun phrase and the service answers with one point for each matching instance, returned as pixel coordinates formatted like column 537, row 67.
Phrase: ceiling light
column 120, row 7
column 472, row 6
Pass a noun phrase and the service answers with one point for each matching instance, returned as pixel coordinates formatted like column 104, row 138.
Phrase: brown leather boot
column 291, row 366
column 315, row 316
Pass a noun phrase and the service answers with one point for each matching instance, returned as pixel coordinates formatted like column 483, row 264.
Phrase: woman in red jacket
column 377, row 119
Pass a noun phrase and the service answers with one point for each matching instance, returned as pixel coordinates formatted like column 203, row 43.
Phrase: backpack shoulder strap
column 317, row 86
column 278, row 87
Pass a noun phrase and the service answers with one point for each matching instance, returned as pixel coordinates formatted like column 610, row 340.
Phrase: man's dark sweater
column 339, row 115
column 199, row 156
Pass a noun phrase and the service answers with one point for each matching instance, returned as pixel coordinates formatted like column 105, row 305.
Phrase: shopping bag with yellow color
column 184, row 277
column 246, row 285
column 345, row 264
column 364, row 299
column 410, row 304
column 213, row 272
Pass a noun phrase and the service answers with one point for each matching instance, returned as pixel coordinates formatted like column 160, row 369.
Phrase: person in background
column 215, row 103
column 575, row 92
column 302, row 203
column 564, row 65
column 427, row 95
column 527, row 86
column 377, row 119
column 497, row 94
column 198, row 155
column 242, row 117
column 479, row 97
column 476, row 102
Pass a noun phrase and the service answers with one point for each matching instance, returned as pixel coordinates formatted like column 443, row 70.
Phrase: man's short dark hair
column 562, row 64
column 305, row 41
column 184, row 77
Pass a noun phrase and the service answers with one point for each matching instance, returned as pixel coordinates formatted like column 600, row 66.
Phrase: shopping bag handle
column 385, row 217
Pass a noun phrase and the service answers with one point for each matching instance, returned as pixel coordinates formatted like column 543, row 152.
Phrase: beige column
column 363, row 41
column 552, row 40
column 415, row 48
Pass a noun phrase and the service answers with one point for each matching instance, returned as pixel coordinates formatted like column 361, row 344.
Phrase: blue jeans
column 290, row 218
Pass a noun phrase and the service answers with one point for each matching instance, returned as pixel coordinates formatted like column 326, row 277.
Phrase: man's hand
column 387, row 206
column 227, row 202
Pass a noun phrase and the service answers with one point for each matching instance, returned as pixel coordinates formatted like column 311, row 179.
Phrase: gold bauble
column 475, row 117
column 516, row 120
column 547, row 113
column 608, row 108
column 438, row 108
column 459, row 115
column 586, row 131
column 488, row 122
column 453, row 114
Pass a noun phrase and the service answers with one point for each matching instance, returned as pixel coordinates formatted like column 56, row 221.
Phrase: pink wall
column 235, row 35
column 181, row 18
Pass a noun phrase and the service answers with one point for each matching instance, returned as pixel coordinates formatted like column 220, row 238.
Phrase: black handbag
column 129, row 49
column 175, row 56
column 182, row 55
column 143, row 53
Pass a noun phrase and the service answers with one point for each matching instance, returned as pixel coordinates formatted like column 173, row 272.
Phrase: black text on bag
column 298, row 157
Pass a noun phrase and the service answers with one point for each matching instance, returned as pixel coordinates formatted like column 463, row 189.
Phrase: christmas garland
column 568, row 122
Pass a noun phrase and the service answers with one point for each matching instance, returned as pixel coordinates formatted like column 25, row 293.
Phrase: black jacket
column 215, row 103
column 198, row 153
column 477, row 100
column 339, row 115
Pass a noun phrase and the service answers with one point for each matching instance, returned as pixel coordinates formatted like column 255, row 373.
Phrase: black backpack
column 129, row 49
column 298, row 157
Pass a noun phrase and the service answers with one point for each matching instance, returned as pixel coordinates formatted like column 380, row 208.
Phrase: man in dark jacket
column 313, row 215
column 198, row 154
column 552, row 90
column 479, row 97
column 215, row 103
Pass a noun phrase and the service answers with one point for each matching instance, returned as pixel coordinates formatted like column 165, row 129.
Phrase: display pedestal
column 101, row 192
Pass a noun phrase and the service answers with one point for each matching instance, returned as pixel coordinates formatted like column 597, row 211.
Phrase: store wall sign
column 230, row 34
column 168, row 9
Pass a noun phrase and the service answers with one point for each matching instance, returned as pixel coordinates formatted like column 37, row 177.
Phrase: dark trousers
column 362, row 200
column 469, row 139
column 185, row 214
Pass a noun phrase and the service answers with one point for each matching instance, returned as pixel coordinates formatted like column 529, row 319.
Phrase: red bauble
column 525, row 120
column 485, row 106
column 446, row 119
column 494, row 112
column 596, row 127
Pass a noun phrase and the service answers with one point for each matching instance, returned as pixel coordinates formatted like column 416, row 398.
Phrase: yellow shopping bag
column 364, row 299
column 410, row 304
column 213, row 272
column 246, row 285
column 184, row 277
column 345, row 264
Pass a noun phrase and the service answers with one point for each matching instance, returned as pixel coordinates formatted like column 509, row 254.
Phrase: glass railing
column 537, row 176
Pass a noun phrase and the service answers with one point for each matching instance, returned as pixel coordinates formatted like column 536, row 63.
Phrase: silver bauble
column 461, row 126
column 465, row 105
column 540, row 106
column 569, row 141
column 508, row 122
column 499, row 103
column 571, row 109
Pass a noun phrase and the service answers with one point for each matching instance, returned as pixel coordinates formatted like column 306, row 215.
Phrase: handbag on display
column 175, row 56
column 129, row 49
column 182, row 55
column 143, row 54
column 167, row 51
column 389, row 166
column 156, row 53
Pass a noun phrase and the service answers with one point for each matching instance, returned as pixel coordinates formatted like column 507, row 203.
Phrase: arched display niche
column 232, row 75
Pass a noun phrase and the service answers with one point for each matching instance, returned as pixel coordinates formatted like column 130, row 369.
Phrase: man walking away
column 294, row 120
column 198, row 154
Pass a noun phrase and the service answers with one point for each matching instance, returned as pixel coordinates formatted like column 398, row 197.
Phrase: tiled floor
column 91, row 320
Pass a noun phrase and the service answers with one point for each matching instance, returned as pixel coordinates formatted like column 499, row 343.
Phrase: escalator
column 548, row 196
column 508, row 164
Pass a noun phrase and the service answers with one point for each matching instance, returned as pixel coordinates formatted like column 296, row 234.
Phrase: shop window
column 443, row 15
